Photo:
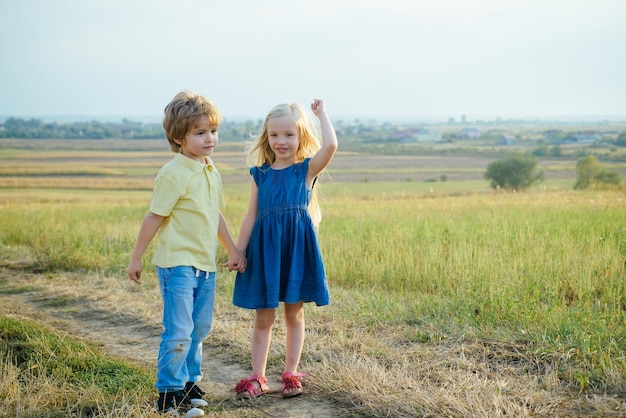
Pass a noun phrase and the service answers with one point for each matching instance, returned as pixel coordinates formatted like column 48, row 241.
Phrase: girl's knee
column 264, row 318
column 294, row 312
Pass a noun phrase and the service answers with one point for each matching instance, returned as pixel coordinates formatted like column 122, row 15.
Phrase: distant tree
column 556, row 151
column 543, row 151
column 36, row 128
column 611, row 178
column 540, row 151
column 621, row 140
column 516, row 172
column 586, row 168
column 591, row 174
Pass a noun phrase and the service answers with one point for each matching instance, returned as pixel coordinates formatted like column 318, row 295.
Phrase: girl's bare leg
column 261, row 336
column 294, row 319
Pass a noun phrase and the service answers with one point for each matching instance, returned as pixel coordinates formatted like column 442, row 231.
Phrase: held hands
column 318, row 107
column 236, row 261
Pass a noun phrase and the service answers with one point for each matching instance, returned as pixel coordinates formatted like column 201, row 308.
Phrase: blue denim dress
column 284, row 258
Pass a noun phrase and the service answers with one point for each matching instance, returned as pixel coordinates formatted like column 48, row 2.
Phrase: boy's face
column 200, row 141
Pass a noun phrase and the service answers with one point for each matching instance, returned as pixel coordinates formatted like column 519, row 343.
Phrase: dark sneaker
column 195, row 394
column 176, row 403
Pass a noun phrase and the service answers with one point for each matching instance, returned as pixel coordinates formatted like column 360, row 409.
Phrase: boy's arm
column 250, row 218
column 149, row 227
column 236, row 260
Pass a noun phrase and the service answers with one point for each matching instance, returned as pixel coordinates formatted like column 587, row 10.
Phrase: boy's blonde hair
column 182, row 114
column 259, row 152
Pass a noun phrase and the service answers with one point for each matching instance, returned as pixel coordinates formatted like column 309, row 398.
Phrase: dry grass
column 380, row 371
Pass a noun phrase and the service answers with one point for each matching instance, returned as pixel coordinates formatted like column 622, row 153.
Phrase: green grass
column 55, row 375
column 545, row 267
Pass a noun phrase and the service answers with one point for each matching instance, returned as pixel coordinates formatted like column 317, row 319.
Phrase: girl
column 279, row 236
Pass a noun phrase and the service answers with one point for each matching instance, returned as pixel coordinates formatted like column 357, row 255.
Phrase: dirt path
column 122, row 333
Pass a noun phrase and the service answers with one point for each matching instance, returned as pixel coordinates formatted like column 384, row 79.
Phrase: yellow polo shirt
column 189, row 195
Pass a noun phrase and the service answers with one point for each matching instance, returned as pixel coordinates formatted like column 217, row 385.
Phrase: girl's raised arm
column 322, row 158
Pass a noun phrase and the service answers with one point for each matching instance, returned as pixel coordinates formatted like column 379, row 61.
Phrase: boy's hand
column 134, row 271
column 240, row 267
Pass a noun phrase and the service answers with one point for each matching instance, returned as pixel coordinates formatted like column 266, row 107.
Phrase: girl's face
column 284, row 139
column 200, row 141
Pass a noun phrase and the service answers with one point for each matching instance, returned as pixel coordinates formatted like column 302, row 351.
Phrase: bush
column 591, row 174
column 516, row 172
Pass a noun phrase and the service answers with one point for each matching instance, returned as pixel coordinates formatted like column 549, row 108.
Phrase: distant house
column 416, row 135
column 588, row 136
column 468, row 133
column 507, row 139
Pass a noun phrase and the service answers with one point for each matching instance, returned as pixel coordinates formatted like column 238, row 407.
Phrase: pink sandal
column 292, row 384
column 252, row 387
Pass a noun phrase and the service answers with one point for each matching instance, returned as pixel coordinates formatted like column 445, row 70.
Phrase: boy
column 185, row 211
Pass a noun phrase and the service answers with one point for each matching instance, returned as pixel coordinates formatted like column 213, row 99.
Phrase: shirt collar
column 193, row 164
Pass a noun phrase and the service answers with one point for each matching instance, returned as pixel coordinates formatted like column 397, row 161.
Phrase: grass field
column 429, row 278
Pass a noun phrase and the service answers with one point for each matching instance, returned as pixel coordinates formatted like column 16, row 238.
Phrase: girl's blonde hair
column 258, row 151
column 183, row 112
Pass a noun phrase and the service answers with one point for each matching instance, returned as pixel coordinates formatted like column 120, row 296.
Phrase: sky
column 385, row 59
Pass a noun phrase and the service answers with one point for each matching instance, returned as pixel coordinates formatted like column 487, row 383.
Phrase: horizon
column 424, row 119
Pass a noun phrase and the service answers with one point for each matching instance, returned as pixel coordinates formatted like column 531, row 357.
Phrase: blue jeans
column 188, row 296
